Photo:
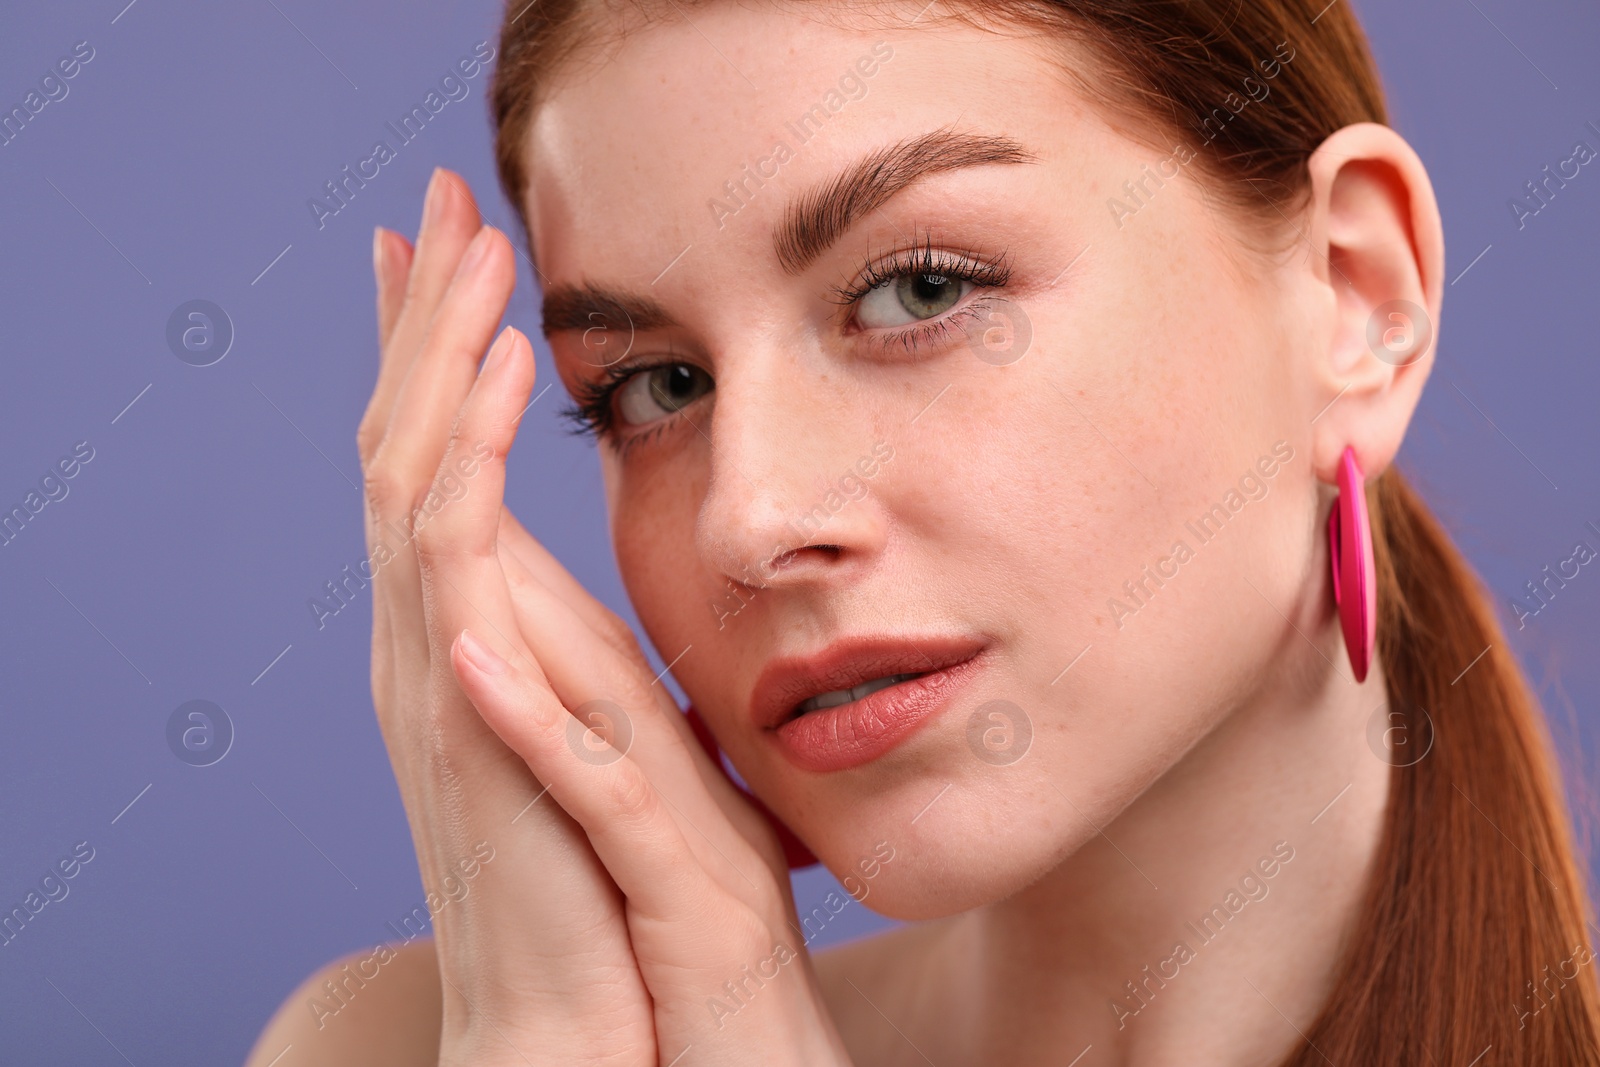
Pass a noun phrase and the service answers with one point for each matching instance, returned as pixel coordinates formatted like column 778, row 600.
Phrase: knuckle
column 630, row 690
column 434, row 529
column 632, row 797
column 438, row 543
column 610, row 628
column 620, row 635
column 369, row 434
column 387, row 493
column 455, row 432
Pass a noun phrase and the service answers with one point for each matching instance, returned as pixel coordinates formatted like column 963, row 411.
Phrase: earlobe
column 1374, row 223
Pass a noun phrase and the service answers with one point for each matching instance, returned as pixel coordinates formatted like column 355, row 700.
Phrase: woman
column 992, row 400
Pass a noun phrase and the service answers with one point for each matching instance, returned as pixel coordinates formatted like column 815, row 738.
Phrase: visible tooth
column 866, row 688
column 844, row 696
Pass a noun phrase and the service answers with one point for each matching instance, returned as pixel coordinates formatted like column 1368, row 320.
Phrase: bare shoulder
column 377, row 1006
column 875, row 977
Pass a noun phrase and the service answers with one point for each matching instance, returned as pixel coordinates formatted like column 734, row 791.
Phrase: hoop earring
column 1355, row 586
column 794, row 849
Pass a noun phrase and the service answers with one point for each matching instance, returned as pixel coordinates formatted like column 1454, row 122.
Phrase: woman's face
column 964, row 407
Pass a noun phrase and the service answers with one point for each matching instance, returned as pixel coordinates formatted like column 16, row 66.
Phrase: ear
column 1375, row 222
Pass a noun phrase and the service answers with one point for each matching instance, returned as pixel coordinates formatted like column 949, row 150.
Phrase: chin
column 981, row 849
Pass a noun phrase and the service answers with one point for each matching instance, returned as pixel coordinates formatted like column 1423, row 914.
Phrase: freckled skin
column 1163, row 364
column 982, row 510
column 1188, row 704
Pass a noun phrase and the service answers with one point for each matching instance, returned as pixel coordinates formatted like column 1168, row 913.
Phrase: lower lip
column 849, row 735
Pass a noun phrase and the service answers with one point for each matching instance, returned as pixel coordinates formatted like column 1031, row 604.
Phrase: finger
column 439, row 379
column 449, row 221
column 465, row 585
column 461, row 579
column 628, row 821
column 583, row 667
column 600, row 686
column 536, row 561
column 391, row 265
column 407, row 485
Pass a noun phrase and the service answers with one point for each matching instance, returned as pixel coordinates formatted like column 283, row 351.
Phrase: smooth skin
column 1183, row 744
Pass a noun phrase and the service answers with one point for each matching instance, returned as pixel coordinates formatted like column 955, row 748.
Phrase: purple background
column 180, row 564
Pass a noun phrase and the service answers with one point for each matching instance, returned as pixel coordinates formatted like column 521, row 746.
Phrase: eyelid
column 922, row 256
column 592, row 411
column 930, row 331
column 985, row 272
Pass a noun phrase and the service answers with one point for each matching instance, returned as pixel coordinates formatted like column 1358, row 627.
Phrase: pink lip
column 849, row 735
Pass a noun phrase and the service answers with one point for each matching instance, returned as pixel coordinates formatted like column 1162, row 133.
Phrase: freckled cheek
column 1037, row 486
column 653, row 539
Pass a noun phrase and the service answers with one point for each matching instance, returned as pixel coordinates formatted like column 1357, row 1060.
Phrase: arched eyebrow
column 813, row 221
column 582, row 307
column 825, row 212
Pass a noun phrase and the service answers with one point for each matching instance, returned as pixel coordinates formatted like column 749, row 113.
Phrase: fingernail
column 498, row 350
column 430, row 201
column 377, row 253
column 477, row 248
column 480, row 655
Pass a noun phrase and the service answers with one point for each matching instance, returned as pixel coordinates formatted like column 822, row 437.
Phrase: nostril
column 787, row 556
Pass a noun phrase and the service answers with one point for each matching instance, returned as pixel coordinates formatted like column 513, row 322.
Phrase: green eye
column 655, row 393
column 910, row 298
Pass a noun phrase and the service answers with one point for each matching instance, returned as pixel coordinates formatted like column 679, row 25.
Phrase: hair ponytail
column 1473, row 934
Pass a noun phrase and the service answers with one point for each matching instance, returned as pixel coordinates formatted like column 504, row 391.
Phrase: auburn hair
column 1471, row 936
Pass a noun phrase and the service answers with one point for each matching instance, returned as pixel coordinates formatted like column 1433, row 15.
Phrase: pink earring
column 1355, row 586
column 794, row 849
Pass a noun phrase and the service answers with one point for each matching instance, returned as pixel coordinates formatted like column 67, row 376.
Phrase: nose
column 794, row 492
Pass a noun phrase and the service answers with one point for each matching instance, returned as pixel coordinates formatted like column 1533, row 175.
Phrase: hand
column 517, row 986
column 661, row 920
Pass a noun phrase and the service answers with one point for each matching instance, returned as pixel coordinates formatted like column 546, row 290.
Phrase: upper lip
column 847, row 662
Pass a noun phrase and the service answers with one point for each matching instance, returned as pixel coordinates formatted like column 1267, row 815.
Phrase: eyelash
column 925, row 259
column 591, row 411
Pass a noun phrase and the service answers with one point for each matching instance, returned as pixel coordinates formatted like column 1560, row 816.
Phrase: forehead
column 693, row 134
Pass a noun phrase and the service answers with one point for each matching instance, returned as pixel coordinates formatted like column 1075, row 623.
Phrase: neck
column 1204, row 923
